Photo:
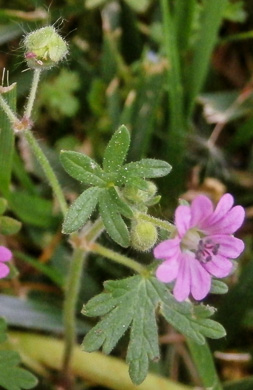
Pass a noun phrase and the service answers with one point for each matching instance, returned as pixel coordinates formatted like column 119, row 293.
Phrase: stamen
column 206, row 250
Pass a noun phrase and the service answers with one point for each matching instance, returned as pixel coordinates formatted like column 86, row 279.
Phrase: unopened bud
column 140, row 196
column 44, row 48
column 143, row 236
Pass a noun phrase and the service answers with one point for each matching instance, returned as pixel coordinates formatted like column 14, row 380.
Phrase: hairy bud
column 44, row 48
column 143, row 236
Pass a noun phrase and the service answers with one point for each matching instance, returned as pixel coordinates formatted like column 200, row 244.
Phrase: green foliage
column 12, row 377
column 133, row 303
column 107, row 184
column 57, row 95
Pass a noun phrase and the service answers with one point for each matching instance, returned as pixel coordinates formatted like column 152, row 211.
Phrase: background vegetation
column 178, row 74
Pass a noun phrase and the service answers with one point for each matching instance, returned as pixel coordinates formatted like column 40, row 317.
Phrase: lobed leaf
column 82, row 168
column 132, row 303
column 13, row 377
column 81, row 210
column 112, row 220
column 116, row 150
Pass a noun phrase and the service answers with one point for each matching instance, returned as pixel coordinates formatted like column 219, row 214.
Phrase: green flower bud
column 143, row 236
column 44, row 48
column 140, row 196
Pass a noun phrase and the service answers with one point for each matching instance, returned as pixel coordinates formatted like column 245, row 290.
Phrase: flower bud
column 143, row 236
column 44, row 48
column 140, row 196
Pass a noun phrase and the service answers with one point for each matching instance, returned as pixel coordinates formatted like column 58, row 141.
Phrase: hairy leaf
column 81, row 210
column 13, row 377
column 116, row 150
column 112, row 220
column 82, row 168
column 133, row 303
column 146, row 168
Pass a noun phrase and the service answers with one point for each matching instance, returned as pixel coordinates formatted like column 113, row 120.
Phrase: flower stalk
column 32, row 95
column 117, row 258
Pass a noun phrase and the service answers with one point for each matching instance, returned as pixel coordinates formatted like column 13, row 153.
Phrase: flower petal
column 182, row 219
column 167, row 271
column 167, row 249
column 229, row 223
column 200, row 280
column 219, row 266
column 4, row 270
column 201, row 208
column 181, row 289
column 229, row 246
column 224, row 205
column 5, row 254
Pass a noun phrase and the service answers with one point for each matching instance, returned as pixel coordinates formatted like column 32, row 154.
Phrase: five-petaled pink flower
column 5, row 255
column 202, row 247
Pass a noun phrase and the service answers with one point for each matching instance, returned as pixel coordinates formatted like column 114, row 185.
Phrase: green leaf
column 218, row 287
column 81, row 210
column 82, row 168
column 112, row 220
column 13, row 377
column 146, row 168
column 9, row 225
column 133, row 303
column 32, row 209
column 122, row 206
column 116, row 150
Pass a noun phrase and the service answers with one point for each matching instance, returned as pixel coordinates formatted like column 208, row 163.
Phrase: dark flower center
column 206, row 249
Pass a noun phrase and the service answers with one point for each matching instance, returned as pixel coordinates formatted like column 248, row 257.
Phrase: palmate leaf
column 13, row 377
column 133, row 303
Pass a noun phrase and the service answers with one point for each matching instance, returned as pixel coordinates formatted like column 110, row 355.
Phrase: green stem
column 157, row 222
column 69, row 308
column 32, row 95
column 117, row 258
column 72, row 289
column 51, row 177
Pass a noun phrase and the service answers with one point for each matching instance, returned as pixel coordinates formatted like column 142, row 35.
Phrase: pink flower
column 202, row 246
column 5, row 255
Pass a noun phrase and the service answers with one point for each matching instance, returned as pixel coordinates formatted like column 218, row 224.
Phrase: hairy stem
column 117, row 257
column 73, row 287
column 157, row 222
column 50, row 175
column 69, row 308
column 32, row 95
